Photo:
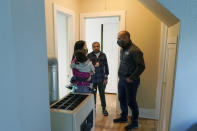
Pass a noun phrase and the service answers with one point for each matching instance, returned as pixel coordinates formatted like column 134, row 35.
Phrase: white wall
column 184, row 108
column 24, row 91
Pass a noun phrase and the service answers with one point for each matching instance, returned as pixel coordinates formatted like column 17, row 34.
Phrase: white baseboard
column 148, row 113
column 145, row 113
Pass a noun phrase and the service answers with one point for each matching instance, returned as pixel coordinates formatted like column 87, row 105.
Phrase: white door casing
column 164, row 35
column 168, row 84
column 121, row 14
column 83, row 16
column 63, row 39
column 110, row 48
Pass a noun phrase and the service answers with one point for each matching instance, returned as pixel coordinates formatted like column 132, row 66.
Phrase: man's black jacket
column 102, row 70
column 131, row 63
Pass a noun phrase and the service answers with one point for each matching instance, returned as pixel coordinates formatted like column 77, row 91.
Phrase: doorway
column 63, row 31
column 110, row 24
column 105, row 30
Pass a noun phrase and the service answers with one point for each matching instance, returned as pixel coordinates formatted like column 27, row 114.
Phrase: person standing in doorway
column 99, row 79
column 131, row 67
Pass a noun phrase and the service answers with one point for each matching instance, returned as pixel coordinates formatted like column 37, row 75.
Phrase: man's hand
column 97, row 64
column 91, row 73
column 129, row 80
column 105, row 82
column 89, row 79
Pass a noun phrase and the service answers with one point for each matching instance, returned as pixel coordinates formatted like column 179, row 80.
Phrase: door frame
column 120, row 14
column 83, row 16
column 71, row 35
column 167, row 93
column 164, row 37
column 71, row 21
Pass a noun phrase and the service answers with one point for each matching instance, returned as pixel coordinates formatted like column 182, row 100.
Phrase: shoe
column 70, row 86
column 131, row 126
column 105, row 113
column 120, row 120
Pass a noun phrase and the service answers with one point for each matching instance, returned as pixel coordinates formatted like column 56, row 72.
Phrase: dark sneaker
column 131, row 126
column 70, row 86
column 105, row 113
column 120, row 120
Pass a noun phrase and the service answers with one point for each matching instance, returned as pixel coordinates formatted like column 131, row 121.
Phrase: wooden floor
column 105, row 123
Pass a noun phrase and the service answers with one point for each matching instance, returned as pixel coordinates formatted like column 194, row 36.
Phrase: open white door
column 110, row 31
column 110, row 48
column 120, row 14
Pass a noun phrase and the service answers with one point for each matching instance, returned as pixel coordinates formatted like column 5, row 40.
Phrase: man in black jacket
column 131, row 67
column 99, row 79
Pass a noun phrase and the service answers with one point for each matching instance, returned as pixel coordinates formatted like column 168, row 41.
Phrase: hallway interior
column 105, row 123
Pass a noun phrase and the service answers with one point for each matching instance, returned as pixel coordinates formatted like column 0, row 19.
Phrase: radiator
column 74, row 112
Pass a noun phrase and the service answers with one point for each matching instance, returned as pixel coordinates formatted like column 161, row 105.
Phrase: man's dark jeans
column 127, row 96
column 101, row 89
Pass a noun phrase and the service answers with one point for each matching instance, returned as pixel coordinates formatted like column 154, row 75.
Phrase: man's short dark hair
column 126, row 33
column 95, row 43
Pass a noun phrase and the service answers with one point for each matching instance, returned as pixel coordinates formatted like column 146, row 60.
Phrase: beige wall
column 69, row 4
column 145, row 31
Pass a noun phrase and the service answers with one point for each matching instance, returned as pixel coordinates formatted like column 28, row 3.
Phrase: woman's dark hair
column 79, row 45
column 81, row 56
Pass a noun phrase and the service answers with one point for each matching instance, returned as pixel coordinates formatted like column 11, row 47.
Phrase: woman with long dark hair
column 82, row 68
column 80, row 45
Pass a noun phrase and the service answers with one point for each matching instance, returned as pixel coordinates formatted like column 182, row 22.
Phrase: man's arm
column 106, row 67
column 140, row 65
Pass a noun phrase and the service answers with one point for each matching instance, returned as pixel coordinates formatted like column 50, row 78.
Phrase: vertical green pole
column 102, row 37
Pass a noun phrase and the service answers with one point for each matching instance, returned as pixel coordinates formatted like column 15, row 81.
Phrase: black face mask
column 96, row 51
column 121, row 44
